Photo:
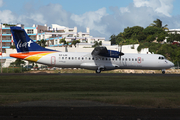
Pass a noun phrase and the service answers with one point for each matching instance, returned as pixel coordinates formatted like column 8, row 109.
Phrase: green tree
column 141, row 37
column 18, row 62
column 113, row 39
column 150, row 38
column 64, row 43
column 63, row 40
column 153, row 31
column 96, row 43
column 42, row 42
column 158, row 23
column 13, row 46
column 132, row 31
column 74, row 42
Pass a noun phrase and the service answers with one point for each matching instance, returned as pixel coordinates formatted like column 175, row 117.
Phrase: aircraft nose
column 171, row 64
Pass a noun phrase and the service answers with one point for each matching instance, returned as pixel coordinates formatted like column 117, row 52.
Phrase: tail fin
column 23, row 42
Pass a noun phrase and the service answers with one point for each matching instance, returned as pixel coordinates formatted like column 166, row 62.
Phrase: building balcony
column 8, row 34
column 6, row 40
column 5, row 46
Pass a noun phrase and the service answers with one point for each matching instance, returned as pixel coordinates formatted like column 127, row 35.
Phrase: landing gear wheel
column 163, row 71
column 98, row 71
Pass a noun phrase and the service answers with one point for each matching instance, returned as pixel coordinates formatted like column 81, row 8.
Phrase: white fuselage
column 87, row 61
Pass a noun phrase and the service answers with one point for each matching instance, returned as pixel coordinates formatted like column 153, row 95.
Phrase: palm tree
column 97, row 44
column 64, row 43
column 42, row 42
column 158, row 23
column 75, row 42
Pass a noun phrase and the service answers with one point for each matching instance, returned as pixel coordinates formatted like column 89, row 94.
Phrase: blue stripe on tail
column 23, row 42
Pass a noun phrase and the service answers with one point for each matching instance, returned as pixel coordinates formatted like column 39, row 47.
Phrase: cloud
column 160, row 6
column 49, row 14
column 91, row 19
column 7, row 16
column 1, row 3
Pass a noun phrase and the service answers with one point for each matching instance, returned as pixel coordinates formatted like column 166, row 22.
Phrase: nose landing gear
column 163, row 71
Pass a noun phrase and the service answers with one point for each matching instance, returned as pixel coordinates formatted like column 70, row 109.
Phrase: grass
column 138, row 91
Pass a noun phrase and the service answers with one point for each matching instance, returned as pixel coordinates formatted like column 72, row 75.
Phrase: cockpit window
column 161, row 58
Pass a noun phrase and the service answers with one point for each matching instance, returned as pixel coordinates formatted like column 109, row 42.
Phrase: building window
column 30, row 31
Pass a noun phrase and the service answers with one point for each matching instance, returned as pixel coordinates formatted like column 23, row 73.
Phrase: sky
column 103, row 17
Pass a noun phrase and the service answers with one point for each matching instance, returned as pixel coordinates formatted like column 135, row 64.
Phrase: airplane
column 100, row 59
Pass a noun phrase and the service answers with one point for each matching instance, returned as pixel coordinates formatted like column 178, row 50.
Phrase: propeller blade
column 120, row 53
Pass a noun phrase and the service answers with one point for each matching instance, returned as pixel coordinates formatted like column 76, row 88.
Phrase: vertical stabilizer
column 23, row 43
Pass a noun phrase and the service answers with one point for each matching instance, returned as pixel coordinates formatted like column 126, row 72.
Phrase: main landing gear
column 98, row 70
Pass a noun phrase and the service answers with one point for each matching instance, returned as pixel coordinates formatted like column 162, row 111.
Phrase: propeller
column 120, row 53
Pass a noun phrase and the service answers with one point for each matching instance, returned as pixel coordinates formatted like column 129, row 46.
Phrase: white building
column 173, row 31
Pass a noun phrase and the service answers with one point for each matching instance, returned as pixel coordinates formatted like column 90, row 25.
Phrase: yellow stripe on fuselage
column 36, row 57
